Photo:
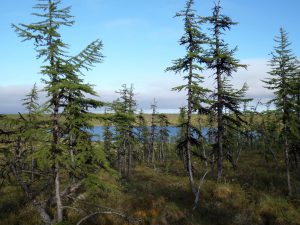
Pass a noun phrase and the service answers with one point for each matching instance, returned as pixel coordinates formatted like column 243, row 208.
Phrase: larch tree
column 234, row 122
column 193, row 40
column 124, row 120
column 162, row 136
column 143, row 135
column 295, row 142
column 284, row 66
column 66, row 92
column 153, row 132
column 181, row 131
column 222, row 62
column 108, row 137
column 30, row 102
column 77, row 124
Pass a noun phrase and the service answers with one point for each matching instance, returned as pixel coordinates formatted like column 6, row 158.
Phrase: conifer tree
column 124, row 119
column 22, row 145
column 181, row 131
column 64, row 88
column 143, row 135
column 32, row 122
column 234, row 122
column 222, row 62
column 269, row 132
column 108, row 137
column 77, row 123
column 132, row 138
column 153, row 134
column 163, row 136
column 193, row 40
column 284, row 66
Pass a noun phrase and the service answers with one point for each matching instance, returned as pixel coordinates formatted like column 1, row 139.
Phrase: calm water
column 173, row 131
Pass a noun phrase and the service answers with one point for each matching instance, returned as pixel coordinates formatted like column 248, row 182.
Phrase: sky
column 140, row 41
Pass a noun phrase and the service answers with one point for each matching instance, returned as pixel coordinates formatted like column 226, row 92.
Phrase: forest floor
column 253, row 194
column 160, row 195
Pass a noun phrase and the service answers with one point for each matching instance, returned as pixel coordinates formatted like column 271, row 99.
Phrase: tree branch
column 198, row 192
column 107, row 212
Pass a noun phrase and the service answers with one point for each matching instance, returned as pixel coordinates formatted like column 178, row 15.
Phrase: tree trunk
column 45, row 217
column 287, row 161
column 152, row 144
column 285, row 124
column 219, row 105
column 129, row 162
column 59, row 210
column 153, row 106
column 220, row 130
column 72, row 144
column 187, row 154
column 72, row 177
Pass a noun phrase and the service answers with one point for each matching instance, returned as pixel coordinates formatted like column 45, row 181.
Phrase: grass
column 172, row 118
column 255, row 194
column 161, row 195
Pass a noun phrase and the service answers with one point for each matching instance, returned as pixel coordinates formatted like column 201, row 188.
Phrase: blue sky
column 140, row 40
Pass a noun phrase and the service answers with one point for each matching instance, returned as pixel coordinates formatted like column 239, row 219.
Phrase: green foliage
column 284, row 67
column 194, row 41
column 143, row 136
column 124, row 139
column 225, row 99
column 39, row 153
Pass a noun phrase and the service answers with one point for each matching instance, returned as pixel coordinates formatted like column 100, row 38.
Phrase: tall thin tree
column 283, row 65
column 193, row 40
column 222, row 62
column 59, row 71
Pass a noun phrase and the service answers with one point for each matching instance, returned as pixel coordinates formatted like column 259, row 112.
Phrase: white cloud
column 256, row 72
column 159, row 88
column 11, row 98
column 167, row 99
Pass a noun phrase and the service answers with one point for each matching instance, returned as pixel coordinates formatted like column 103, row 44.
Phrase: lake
column 173, row 131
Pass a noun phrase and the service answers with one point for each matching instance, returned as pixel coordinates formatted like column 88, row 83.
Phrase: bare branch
column 198, row 192
column 108, row 211
column 105, row 212
column 70, row 189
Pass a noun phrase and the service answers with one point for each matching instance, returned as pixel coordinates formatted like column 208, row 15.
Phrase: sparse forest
column 223, row 159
